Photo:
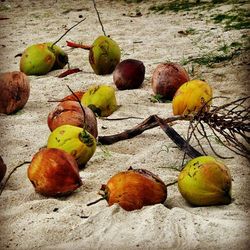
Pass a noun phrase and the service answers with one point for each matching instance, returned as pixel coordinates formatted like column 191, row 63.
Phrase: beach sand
column 32, row 221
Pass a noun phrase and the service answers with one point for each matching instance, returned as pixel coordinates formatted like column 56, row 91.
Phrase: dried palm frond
column 229, row 123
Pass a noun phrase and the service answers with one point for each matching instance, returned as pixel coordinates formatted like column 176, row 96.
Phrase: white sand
column 31, row 221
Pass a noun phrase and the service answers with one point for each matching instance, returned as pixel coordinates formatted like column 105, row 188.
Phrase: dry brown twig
column 2, row 186
column 228, row 123
column 99, row 18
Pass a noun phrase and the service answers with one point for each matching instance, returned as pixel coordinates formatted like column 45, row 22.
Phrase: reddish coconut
column 71, row 113
column 54, row 172
column 167, row 78
column 129, row 74
column 134, row 189
column 14, row 91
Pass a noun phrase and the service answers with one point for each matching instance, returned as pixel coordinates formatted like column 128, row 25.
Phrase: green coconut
column 38, row 59
column 104, row 55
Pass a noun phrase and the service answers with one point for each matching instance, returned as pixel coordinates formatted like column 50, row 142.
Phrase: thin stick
column 120, row 119
column 198, row 140
column 78, row 100
column 99, row 18
column 94, row 202
column 210, row 144
column 229, row 104
column 171, row 184
column 8, row 177
column 189, row 136
column 67, row 32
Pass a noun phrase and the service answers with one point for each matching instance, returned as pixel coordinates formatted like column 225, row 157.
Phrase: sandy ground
column 31, row 221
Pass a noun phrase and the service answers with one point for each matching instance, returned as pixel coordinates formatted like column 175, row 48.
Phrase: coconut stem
column 8, row 177
column 99, row 18
column 94, row 202
column 67, row 32
column 171, row 184
column 84, row 114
